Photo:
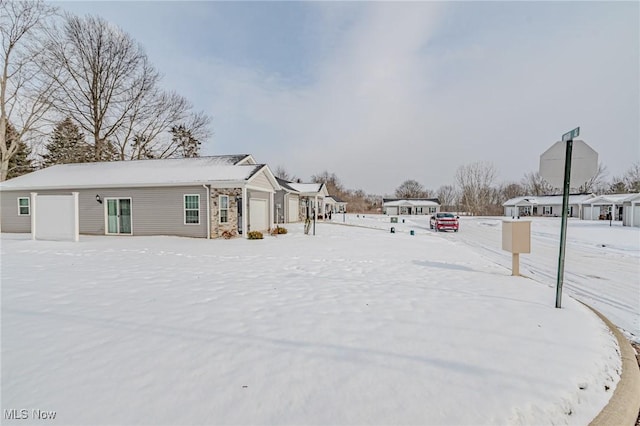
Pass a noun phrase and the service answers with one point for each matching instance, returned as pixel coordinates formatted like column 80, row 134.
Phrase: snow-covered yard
column 351, row 326
column 602, row 266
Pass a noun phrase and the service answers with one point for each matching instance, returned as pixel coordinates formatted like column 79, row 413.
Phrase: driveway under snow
column 351, row 326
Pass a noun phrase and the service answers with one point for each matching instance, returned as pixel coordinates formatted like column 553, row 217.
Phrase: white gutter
column 218, row 184
column 208, row 211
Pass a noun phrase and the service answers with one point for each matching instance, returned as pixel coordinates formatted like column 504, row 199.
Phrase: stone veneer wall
column 218, row 228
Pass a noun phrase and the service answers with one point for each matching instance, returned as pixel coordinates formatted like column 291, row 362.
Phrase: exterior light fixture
column 98, row 198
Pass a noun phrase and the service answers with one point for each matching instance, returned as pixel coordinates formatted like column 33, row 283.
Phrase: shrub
column 255, row 235
column 277, row 230
column 228, row 234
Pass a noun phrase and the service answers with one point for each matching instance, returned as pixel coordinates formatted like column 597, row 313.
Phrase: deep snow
column 351, row 326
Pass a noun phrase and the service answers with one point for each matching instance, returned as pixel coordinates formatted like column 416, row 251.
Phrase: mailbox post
column 516, row 239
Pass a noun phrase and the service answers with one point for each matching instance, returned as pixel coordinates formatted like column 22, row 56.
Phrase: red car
column 444, row 221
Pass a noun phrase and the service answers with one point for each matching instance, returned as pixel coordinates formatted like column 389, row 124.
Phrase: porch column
column 316, row 208
column 245, row 211
column 272, row 208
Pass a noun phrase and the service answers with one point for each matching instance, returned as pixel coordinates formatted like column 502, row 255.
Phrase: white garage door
column 636, row 215
column 258, row 214
column 293, row 210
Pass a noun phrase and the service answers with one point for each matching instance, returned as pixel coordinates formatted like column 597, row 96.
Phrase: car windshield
column 445, row 215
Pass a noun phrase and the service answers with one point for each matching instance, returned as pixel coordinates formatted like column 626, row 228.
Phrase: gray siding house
column 206, row 197
column 287, row 203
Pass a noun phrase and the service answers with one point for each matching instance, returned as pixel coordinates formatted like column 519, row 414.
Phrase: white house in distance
column 544, row 205
column 335, row 204
column 631, row 210
column 410, row 206
column 599, row 207
column 206, row 197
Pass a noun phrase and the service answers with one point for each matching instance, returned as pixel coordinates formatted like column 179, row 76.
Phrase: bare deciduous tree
column 151, row 122
column 511, row 190
column 597, row 183
column 534, row 184
column 334, row 186
column 411, row 189
column 474, row 182
column 107, row 85
column 104, row 76
column 448, row 196
column 282, row 173
column 632, row 178
column 24, row 92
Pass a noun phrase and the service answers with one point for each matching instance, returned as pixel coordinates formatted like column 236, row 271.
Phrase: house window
column 23, row 206
column 432, row 209
column 223, row 205
column 192, row 209
column 547, row 210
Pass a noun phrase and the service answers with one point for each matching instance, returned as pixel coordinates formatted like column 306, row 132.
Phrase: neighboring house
column 631, row 210
column 287, row 203
column 544, row 205
column 312, row 197
column 335, row 204
column 410, row 206
column 341, row 205
column 601, row 206
column 193, row 197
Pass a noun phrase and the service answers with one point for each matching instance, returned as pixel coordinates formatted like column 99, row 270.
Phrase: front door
column 118, row 216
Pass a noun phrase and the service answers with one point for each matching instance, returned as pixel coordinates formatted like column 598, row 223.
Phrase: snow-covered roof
column 611, row 199
column 335, row 199
column 305, row 187
column 165, row 172
column 411, row 203
column 546, row 200
column 310, row 189
column 285, row 184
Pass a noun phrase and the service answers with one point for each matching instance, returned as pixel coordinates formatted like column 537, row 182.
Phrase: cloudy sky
column 381, row 92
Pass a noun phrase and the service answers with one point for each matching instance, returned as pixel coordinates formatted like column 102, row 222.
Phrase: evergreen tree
column 19, row 163
column 67, row 145
column 188, row 145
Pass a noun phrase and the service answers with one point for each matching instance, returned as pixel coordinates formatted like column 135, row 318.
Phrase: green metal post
column 563, row 225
